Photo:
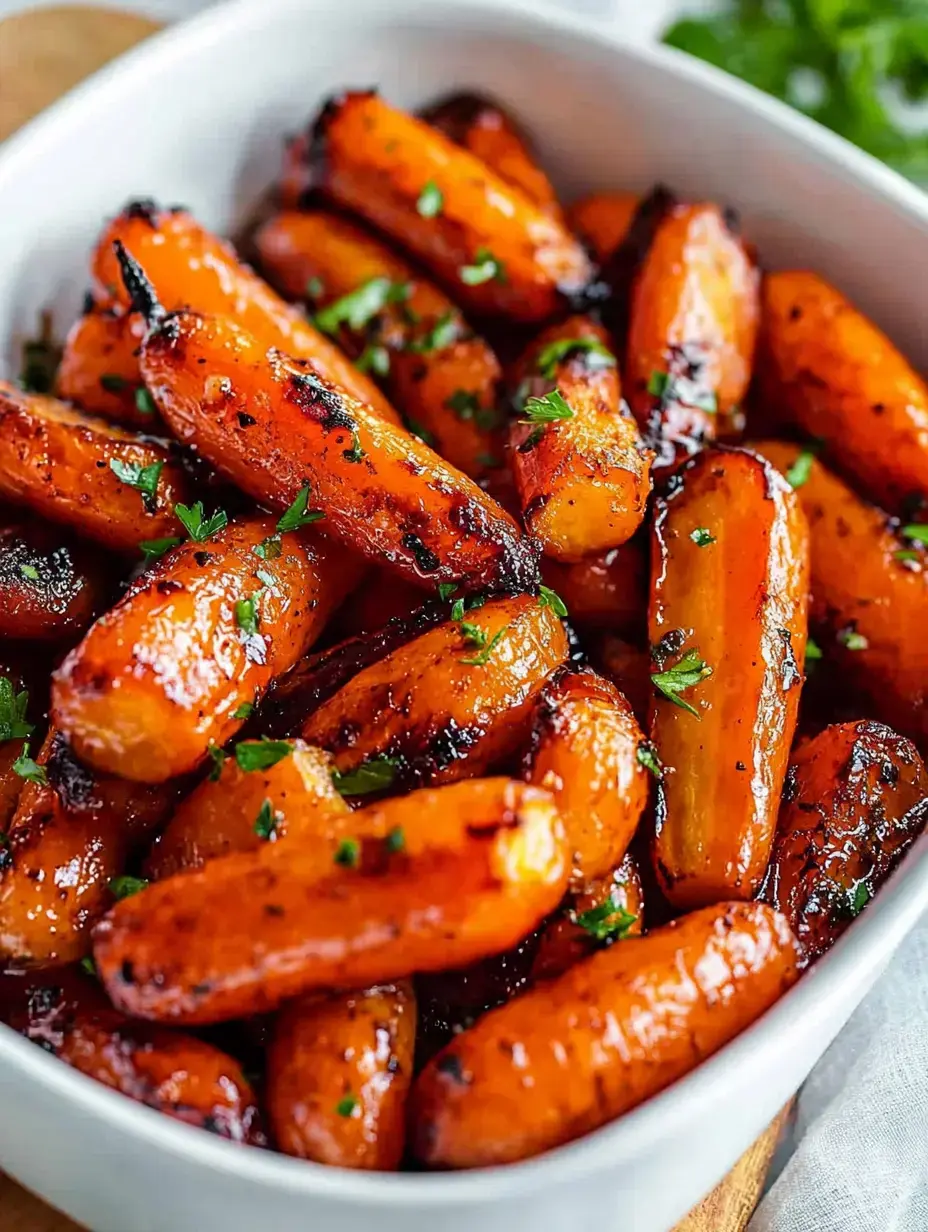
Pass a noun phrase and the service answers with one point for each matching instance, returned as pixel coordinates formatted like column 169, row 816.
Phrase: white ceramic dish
column 196, row 116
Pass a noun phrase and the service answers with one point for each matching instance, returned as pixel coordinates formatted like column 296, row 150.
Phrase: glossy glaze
column 158, row 678
column 339, row 1073
column 479, row 865
column 608, row 590
column 602, row 220
column 440, row 717
column 49, row 589
column 41, row 1004
column 99, row 369
column 741, row 603
column 582, row 481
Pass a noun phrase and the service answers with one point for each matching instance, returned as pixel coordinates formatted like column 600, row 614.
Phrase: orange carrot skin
column 563, row 941
column 602, row 220
column 861, row 585
column 856, row 799
column 692, row 333
column 99, row 369
column 192, row 268
column 67, row 839
column 339, row 1074
column 220, row 816
column 441, row 374
column 607, row 590
column 585, row 752
column 41, row 1005
column 161, row 676
column 50, row 590
column 739, row 603
column 376, row 161
column 824, row 367
column 381, row 597
column 56, row 462
column 612, row 1031
column 451, row 875
column 272, row 426
column 436, row 715
column 491, row 134
column 628, row 665
column 582, row 481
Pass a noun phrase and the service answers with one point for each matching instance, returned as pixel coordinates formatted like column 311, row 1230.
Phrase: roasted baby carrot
column 452, row 703
column 192, row 268
column 608, row 590
column 439, row 373
column 500, row 253
column 604, row 910
column 238, row 807
column 93, row 476
column 41, row 1005
column 339, row 1073
column 481, row 125
column 381, row 597
column 869, row 591
column 825, row 367
column 70, row 836
column 692, row 330
column 15, row 727
column 456, row 873
column 856, row 797
column 615, row 1029
column 580, row 468
column 602, row 220
column 628, row 665
column 99, row 369
column 175, row 665
column 273, row 427
column 50, row 589
column 585, row 750
column 727, row 618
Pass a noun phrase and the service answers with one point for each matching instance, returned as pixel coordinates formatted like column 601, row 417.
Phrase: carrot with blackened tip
column 139, row 287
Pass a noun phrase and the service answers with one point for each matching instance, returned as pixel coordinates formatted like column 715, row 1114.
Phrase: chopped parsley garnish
column 88, row 966
column 348, row 853
column 916, row 531
column 244, row 711
column 113, row 383
column 813, row 651
column 446, row 589
column 194, row 521
column 266, row 822
column 547, row 409
column 261, row 754
column 297, row 515
column 30, row 572
column 143, row 478
column 144, row 402
column 470, row 604
column 441, row 335
column 668, row 387
column 13, row 725
column 28, row 769
column 217, row 756
column 395, row 840
column 315, row 288
column 246, row 615
column 853, row 640
column 374, row 358
column 355, row 453
column 41, row 357
column 598, row 356
column 358, row 308
column 430, row 201
column 126, row 886
column 701, row 537
column 646, row 755
column 374, row 775
column 906, row 555
column 673, row 680
column 473, row 634
column 482, row 659
column 847, row 904
column 268, row 549
column 484, row 269
column 466, row 405
column 607, row 921
column 801, row 469
column 424, row 435
column 550, row 598
column 347, row 1106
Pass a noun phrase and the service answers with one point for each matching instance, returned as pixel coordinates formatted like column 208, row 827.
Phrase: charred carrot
column 99, row 369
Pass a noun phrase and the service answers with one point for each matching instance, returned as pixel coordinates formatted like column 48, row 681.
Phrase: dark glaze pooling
column 59, row 601
column 622, row 267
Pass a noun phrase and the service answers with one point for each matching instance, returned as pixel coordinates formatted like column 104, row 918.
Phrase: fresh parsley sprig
column 689, row 671
column 297, row 515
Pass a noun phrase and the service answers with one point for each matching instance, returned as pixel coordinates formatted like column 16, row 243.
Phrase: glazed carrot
column 729, row 586
column 442, row 376
column 41, row 1005
column 192, row 268
column 49, row 589
column 615, row 1029
column 66, row 467
column 459, row 872
column 581, row 471
column 381, row 597
column 608, row 590
column 693, row 324
column 869, row 592
column 491, row 134
column 17, row 706
column 585, row 751
column 500, row 253
column 604, row 910
column 339, row 1073
column 99, row 369
column 69, row 837
column 175, row 1074
column 628, row 665
column 272, row 426
column 168, row 670
column 856, row 798
column 452, row 703
column 826, row 368
column 294, row 797
column 602, row 220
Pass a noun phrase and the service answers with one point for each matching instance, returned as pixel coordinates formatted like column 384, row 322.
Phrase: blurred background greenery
column 858, row 66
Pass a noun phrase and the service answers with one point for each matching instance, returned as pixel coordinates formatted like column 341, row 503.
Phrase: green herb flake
column 13, row 725
column 485, row 268
column 547, row 409
column 28, row 769
column 244, row 711
column 608, row 921
column 88, row 966
column 297, row 515
column 424, row 435
column 907, row 555
column 813, row 651
column 853, row 640
column 359, row 307
column 113, row 383
column 348, row 853
column 917, row 532
column 355, row 453
column 370, row 776
column 689, row 671
column 199, row 528
column 646, row 755
column 126, row 886
column 801, row 469
column 143, row 478
column 267, row 579
column 266, row 822
column 144, row 402
column 315, row 288
column 446, row 590
column 659, row 383
column 555, row 353
column 430, row 201
column 348, row 1106
column 483, row 658
column 154, row 549
column 217, row 756
column 261, row 754
column 701, row 537
column 395, row 841
column 550, row 598
column 466, row 405
column 374, row 358
column 30, row 572
column 473, row 634
column 246, row 616
column 443, row 333
column 268, row 549
column 668, row 387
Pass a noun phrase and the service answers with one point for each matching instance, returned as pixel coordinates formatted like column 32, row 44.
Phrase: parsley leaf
column 266, row 822
column 916, row 531
column 670, row 387
column 13, row 725
column 688, row 672
column 598, row 356
column 194, row 521
column 88, row 966
column 144, row 402
column 430, row 201
column 143, row 478
column 446, row 589
column 347, row 1106
column 441, row 335
column 154, row 549
column 374, row 358
column 466, row 405
column 473, row 634
column 395, row 840
column 113, row 383
column 297, row 515
column 853, row 640
column 268, row 549
column 547, row 409
column 348, row 853
column 801, row 469
column 646, row 755
column 355, row 453
column 28, row 769
column 549, row 598
column 246, row 615
column 374, row 775
column 424, row 435
column 813, row 651
column 126, row 886
column 607, row 921
column 217, row 756
column 30, row 572
column 315, row 287
column 484, row 269
column 244, row 711
column 261, row 754
column 701, row 537
column 358, row 308
column 483, row 658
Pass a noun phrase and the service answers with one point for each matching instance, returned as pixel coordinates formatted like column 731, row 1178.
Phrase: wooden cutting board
column 43, row 53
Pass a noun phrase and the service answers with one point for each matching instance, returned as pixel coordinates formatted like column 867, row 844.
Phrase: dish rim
column 895, row 909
